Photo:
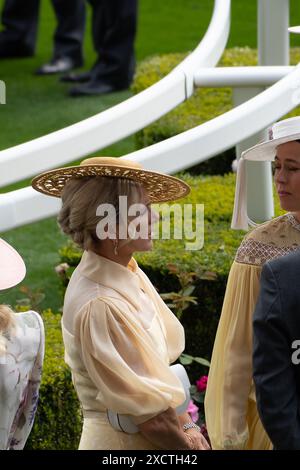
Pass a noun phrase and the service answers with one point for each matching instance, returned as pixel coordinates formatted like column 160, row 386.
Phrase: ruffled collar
column 113, row 275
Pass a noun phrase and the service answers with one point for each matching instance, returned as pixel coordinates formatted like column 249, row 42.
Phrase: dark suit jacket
column 277, row 351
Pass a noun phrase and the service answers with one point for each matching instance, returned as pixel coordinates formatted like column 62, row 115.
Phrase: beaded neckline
column 293, row 221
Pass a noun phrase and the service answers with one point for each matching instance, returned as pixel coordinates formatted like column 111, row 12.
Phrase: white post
column 272, row 32
column 273, row 49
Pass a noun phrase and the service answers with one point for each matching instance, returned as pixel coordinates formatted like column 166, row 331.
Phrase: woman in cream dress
column 230, row 404
column 119, row 336
column 21, row 358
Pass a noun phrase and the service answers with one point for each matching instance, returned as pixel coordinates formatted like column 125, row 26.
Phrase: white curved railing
column 23, row 206
column 103, row 129
column 179, row 152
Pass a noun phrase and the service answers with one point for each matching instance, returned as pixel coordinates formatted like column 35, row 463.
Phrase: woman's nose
column 280, row 175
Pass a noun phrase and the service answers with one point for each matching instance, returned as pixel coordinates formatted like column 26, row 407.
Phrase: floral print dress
column 20, row 376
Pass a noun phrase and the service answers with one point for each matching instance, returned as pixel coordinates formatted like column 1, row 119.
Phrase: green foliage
column 70, row 254
column 205, row 104
column 186, row 359
column 182, row 299
column 57, row 424
column 31, row 300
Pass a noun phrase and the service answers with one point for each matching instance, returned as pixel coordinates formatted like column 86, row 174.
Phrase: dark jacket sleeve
column 277, row 397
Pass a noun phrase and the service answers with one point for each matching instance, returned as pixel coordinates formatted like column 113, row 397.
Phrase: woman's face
column 140, row 226
column 287, row 175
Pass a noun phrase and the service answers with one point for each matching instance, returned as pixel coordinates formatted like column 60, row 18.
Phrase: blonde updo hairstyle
column 6, row 324
column 80, row 200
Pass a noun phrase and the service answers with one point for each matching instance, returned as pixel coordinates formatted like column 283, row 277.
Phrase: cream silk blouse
column 119, row 340
column 230, row 404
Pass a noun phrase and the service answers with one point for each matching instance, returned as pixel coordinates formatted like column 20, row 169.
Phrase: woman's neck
column 120, row 259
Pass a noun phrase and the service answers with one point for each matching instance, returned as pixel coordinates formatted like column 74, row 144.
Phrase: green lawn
column 39, row 105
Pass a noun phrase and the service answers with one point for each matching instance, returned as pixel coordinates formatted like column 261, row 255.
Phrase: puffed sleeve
column 124, row 364
column 230, row 375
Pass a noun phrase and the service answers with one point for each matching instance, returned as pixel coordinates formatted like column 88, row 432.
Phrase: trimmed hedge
column 57, row 425
column 205, row 104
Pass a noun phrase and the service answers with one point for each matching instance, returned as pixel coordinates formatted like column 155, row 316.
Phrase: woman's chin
column 289, row 207
column 286, row 206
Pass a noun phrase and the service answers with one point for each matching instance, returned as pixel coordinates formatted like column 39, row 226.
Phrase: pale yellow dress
column 230, row 404
column 119, row 338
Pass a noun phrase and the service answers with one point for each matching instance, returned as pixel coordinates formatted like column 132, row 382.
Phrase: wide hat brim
column 12, row 266
column 266, row 151
column 160, row 187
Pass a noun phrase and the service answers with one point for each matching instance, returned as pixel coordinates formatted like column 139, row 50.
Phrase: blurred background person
column 113, row 29
column 20, row 21
column 21, row 358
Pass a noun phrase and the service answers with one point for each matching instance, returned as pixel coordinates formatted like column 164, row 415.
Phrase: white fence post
column 273, row 49
column 273, row 36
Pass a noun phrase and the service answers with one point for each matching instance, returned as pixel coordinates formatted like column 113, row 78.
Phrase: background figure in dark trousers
column 114, row 29
column 20, row 20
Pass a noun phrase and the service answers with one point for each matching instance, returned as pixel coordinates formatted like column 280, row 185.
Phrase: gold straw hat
column 160, row 187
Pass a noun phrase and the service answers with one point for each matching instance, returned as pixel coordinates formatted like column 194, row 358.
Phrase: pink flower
column 202, row 383
column 193, row 411
column 61, row 269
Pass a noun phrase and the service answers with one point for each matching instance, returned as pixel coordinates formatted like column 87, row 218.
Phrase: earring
column 116, row 247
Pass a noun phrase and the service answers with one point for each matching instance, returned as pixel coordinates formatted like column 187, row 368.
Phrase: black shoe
column 93, row 88
column 76, row 77
column 63, row 64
